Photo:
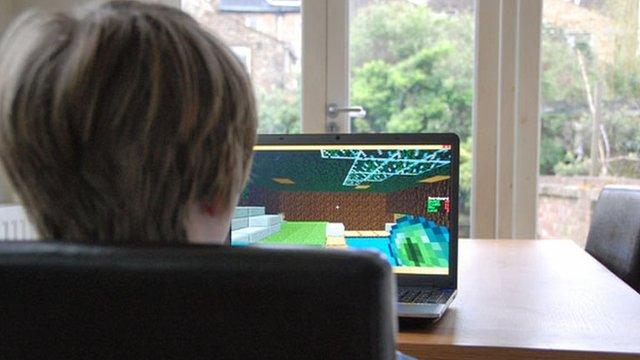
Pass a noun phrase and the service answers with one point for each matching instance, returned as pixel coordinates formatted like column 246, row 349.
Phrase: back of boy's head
column 114, row 120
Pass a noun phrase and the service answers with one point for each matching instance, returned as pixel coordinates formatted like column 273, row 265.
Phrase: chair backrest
column 68, row 300
column 614, row 235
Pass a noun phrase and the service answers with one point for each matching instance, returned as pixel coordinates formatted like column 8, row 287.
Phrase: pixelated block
column 434, row 179
column 239, row 238
column 274, row 229
column 368, row 233
column 420, row 242
column 352, row 233
column 264, row 220
column 259, row 234
column 240, row 212
column 381, row 233
column 255, row 210
column 336, row 241
column 389, row 226
column 239, row 223
column 403, row 219
column 253, row 233
column 335, row 229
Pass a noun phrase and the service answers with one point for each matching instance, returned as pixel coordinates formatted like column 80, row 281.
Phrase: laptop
column 396, row 194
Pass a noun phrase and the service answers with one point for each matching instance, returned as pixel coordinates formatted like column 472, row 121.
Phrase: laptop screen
column 389, row 198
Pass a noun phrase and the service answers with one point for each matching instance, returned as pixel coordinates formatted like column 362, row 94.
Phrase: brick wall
column 412, row 201
column 273, row 39
column 357, row 211
column 565, row 205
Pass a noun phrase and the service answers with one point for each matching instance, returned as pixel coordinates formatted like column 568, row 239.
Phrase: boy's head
column 124, row 122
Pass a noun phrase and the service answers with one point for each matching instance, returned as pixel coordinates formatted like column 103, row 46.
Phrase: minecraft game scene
column 389, row 198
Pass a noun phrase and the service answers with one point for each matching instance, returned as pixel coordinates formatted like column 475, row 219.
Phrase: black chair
column 614, row 235
column 61, row 300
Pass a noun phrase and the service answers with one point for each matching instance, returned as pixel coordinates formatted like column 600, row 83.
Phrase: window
column 411, row 65
column 267, row 37
column 590, row 110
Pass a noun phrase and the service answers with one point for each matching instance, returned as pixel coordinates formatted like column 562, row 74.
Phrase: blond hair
column 114, row 119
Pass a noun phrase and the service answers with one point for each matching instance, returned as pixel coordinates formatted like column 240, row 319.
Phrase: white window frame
column 506, row 84
column 244, row 55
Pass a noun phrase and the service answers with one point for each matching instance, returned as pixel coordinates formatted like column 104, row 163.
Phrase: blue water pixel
column 382, row 244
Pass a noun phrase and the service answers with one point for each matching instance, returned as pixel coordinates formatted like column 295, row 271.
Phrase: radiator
column 14, row 225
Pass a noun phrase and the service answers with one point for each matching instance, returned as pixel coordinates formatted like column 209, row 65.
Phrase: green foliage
column 572, row 166
column 567, row 118
column 420, row 82
column 624, row 81
column 423, row 83
column 278, row 111
column 623, row 131
column 394, row 31
column 561, row 80
column 552, row 143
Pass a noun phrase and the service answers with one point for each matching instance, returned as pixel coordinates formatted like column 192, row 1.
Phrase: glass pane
column 411, row 67
column 590, row 109
column 267, row 37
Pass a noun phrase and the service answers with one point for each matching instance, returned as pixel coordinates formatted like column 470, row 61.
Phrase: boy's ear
column 209, row 209
column 217, row 208
column 212, row 208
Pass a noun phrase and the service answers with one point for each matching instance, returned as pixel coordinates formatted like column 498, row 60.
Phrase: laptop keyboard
column 423, row 296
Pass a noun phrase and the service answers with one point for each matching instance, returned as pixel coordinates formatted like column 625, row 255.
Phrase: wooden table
column 531, row 299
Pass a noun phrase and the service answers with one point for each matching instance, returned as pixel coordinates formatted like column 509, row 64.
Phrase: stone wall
column 273, row 41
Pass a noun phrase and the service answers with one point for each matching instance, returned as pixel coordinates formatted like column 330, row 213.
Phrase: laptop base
column 425, row 310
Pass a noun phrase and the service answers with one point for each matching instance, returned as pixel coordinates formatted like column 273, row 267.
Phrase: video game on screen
column 391, row 198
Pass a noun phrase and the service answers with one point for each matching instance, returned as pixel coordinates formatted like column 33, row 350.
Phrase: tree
column 570, row 71
column 412, row 69
column 278, row 111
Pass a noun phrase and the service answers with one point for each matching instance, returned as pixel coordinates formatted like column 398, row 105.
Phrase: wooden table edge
column 473, row 352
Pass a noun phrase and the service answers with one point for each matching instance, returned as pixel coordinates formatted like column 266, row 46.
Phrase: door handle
column 333, row 110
